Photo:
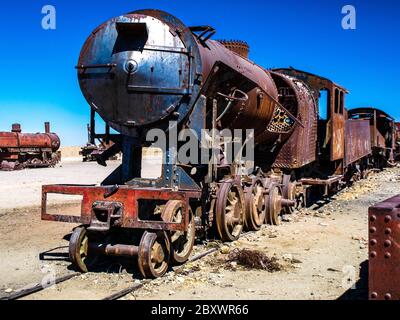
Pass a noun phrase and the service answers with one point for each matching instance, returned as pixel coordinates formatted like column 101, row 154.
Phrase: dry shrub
column 253, row 259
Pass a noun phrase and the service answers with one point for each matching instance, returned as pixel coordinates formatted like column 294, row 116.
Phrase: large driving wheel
column 255, row 205
column 181, row 241
column 154, row 254
column 230, row 211
column 289, row 192
column 274, row 204
column 79, row 252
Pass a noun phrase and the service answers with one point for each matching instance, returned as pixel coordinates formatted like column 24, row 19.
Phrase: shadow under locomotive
column 145, row 69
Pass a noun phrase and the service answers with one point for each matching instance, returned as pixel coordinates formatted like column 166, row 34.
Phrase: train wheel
column 274, row 205
column 230, row 211
column 154, row 254
column 181, row 242
column 255, row 205
column 289, row 192
column 79, row 250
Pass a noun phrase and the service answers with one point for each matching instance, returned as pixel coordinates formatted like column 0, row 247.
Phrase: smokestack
column 16, row 127
column 237, row 46
column 47, row 127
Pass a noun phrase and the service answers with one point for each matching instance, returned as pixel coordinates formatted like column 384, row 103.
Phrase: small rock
column 225, row 250
column 287, row 257
column 171, row 292
column 180, row 279
column 251, row 290
column 323, row 224
column 9, row 290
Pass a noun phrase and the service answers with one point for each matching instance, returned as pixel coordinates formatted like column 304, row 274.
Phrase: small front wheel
column 154, row 254
column 79, row 250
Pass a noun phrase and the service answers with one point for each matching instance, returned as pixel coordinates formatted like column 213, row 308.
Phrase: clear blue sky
column 38, row 80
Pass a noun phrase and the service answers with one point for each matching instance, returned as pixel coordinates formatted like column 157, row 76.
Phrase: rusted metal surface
column 19, row 150
column 237, row 46
column 230, row 210
column 154, row 253
column 397, row 142
column 358, row 140
column 299, row 149
column 181, row 242
column 333, row 137
column 321, row 182
column 255, row 201
column 126, row 198
column 384, row 250
column 382, row 127
column 114, row 249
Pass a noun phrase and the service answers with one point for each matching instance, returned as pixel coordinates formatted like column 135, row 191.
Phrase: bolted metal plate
column 384, row 250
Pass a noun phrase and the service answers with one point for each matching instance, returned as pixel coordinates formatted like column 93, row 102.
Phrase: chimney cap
column 16, row 127
column 240, row 47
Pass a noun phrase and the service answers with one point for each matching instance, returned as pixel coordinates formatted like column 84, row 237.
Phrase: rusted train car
column 397, row 149
column 28, row 150
column 206, row 84
column 383, row 134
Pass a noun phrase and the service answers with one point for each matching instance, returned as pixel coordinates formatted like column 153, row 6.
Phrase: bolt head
column 372, row 230
column 388, row 296
column 387, row 243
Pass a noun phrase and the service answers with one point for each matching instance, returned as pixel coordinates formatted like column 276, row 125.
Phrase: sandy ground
column 322, row 250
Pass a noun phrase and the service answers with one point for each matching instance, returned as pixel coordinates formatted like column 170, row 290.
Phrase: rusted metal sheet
column 397, row 142
column 321, row 182
column 334, row 136
column 28, row 149
column 300, row 149
column 237, row 46
column 384, row 250
column 358, row 140
column 383, row 130
column 338, row 138
column 126, row 198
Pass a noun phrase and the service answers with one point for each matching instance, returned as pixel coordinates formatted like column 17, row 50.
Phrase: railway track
column 24, row 292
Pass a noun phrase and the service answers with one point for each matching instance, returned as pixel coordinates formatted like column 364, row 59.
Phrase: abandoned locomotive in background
column 28, row 150
column 143, row 70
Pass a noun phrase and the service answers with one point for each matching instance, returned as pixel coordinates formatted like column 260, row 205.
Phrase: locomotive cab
column 330, row 99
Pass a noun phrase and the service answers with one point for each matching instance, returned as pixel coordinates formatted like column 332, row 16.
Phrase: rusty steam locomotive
column 28, row 150
column 142, row 70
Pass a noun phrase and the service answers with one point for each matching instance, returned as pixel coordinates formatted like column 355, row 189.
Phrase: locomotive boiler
column 147, row 70
column 28, row 150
